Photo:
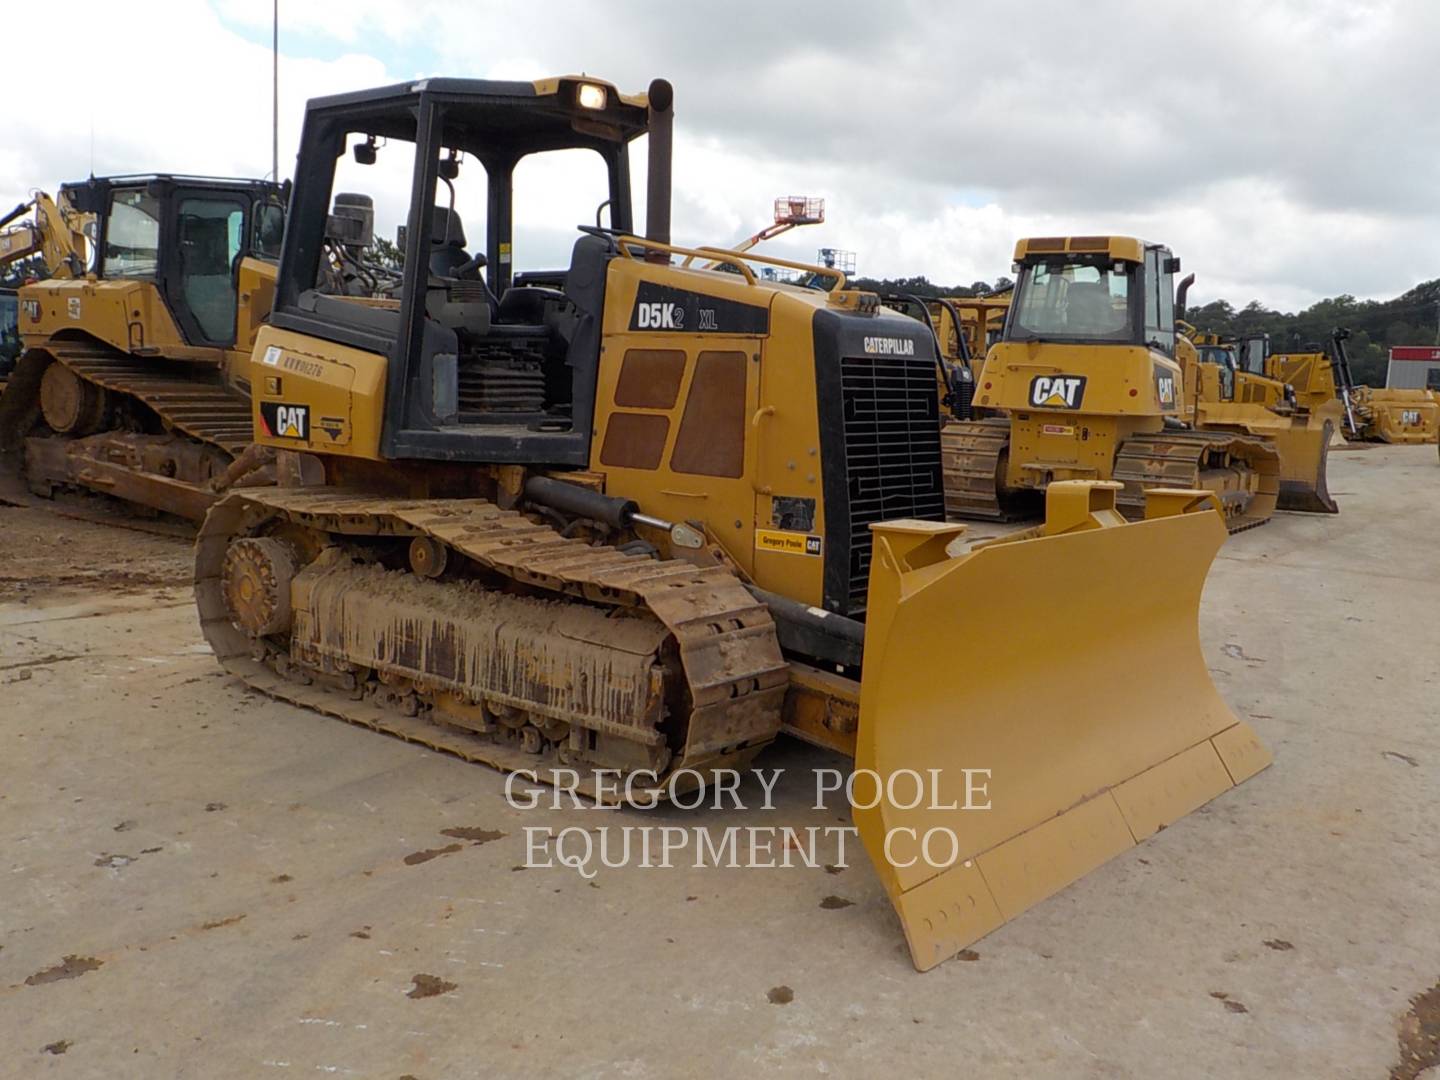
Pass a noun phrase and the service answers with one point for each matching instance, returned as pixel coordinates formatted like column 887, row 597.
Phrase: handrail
column 730, row 257
column 789, row 264
column 625, row 242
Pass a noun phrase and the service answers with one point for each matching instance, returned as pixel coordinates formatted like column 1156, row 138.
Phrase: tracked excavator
column 1086, row 378
column 51, row 243
column 1228, row 388
column 132, row 378
column 643, row 515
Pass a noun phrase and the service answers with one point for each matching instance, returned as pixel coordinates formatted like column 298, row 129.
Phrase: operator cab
column 1251, row 351
column 187, row 234
column 485, row 364
column 1221, row 357
column 1094, row 290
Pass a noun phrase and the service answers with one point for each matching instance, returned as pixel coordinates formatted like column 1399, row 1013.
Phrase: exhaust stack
column 1181, row 292
column 657, row 186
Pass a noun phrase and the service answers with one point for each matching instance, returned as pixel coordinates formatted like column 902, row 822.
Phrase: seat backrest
column 447, row 245
column 585, row 280
column 1088, row 306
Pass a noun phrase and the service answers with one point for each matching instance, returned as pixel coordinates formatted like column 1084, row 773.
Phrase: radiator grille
column 892, row 452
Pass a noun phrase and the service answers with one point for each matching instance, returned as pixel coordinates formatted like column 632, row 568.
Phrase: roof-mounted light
column 590, row 96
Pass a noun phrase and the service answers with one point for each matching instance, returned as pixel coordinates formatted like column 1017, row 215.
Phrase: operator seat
column 448, row 257
column 1089, row 307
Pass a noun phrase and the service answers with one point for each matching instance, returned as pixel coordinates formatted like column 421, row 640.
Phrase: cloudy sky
column 1286, row 150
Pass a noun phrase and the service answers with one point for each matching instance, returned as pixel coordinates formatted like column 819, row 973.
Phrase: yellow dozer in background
column 1227, row 389
column 643, row 515
column 1089, row 388
column 132, row 379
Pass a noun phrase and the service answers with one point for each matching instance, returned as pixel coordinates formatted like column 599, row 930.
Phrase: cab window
column 1074, row 301
column 1165, row 289
column 269, row 230
column 211, row 231
column 9, row 331
column 1159, row 302
column 132, row 236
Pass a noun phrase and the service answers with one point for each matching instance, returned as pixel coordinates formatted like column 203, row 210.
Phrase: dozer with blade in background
column 1228, row 388
column 1086, row 377
column 132, row 377
column 643, row 515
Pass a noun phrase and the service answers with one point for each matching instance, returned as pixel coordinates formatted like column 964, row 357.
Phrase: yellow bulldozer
column 1228, row 388
column 643, row 515
column 1087, row 384
column 132, row 378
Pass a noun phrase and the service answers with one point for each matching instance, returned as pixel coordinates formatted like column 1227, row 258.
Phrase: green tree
column 387, row 253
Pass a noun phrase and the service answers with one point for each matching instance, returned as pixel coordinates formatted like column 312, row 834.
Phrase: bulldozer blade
column 1047, row 741
column 1304, row 457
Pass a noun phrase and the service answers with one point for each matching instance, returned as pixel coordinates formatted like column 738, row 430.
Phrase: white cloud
column 162, row 87
column 1286, row 151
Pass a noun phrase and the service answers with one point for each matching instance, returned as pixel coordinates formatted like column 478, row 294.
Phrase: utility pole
column 275, row 91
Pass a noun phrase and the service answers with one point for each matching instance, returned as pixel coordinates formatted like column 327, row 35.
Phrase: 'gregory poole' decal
column 788, row 543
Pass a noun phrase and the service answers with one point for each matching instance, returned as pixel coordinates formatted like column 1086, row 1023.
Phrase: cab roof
column 1121, row 248
column 540, row 114
column 91, row 195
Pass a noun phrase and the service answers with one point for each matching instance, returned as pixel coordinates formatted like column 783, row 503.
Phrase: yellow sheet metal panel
column 1172, row 789
column 1040, row 862
column 779, row 441
column 125, row 314
column 309, row 394
column 1061, row 383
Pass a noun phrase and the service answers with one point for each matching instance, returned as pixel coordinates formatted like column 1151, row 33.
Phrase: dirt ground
column 196, row 881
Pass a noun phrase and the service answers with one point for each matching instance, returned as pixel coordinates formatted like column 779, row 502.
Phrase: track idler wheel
column 428, row 557
column 255, row 581
column 71, row 405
